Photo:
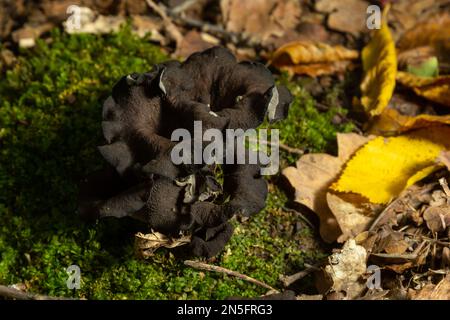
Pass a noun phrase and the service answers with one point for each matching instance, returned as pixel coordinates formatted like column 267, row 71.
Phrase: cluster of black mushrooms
column 141, row 181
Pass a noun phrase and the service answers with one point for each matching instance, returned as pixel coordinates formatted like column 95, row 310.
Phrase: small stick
column 217, row 30
column 184, row 6
column 443, row 243
column 11, row 293
column 289, row 149
column 288, row 280
column 208, row 267
column 407, row 256
column 171, row 28
column 302, row 217
column 281, row 145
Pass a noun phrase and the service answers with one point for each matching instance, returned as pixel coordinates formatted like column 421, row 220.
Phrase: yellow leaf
column 379, row 66
column 312, row 58
column 391, row 122
column 434, row 89
column 423, row 173
column 384, row 167
column 312, row 177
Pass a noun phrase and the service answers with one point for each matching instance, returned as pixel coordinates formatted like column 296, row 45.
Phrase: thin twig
column 171, row 28
column 217, row 30
column 209, row 267
column 185, row 5
column 291, row 149
column 11, row 293
column 171, row 16
column 281, row 145
column 405, row 256
column 288, row 280
column 430, row 240
column 301, row 215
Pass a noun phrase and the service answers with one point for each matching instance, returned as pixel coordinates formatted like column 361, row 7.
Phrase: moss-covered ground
column 50, row 111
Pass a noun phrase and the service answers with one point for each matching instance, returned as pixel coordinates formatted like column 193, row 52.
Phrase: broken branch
column 171, row 28
column 208, row 267
column 288, row 280
column 11, row 293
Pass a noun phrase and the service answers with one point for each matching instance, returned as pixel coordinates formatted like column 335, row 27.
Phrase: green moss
column 308, row 128
column 50, row 112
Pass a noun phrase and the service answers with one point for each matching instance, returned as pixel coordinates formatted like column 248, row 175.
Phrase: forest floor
column 50, row 114
column 53, row 84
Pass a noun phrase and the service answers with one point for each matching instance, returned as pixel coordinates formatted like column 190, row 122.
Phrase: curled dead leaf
column 312, row 58
column 414, row 56
column 146, row 244
column 430, row 32
column 391, row 122
column 434, row 89
column 380, row 67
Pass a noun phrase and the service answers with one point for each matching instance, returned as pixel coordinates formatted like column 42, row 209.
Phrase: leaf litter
column 392, row 213
column 387, row 201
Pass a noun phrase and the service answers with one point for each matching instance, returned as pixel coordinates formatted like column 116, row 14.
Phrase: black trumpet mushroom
column 141, row 181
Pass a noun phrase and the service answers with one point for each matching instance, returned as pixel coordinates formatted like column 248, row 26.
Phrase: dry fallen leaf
column 384, row 167
column 313, row 175
column 100, row 24
column 414, row 56
column 441, row 291
column 444, row 158
column 345, row 15
column 396, row 247
column 391, row 122
column 346, row 268
column 380, row 67
column 430, row 32
column 262, row 20
column 143, row 25
column 312, row 58
column 405, row 13
column 435, row 218
column 434, row 89
column 353, row 215
column 146, row 244
column 193, row 41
